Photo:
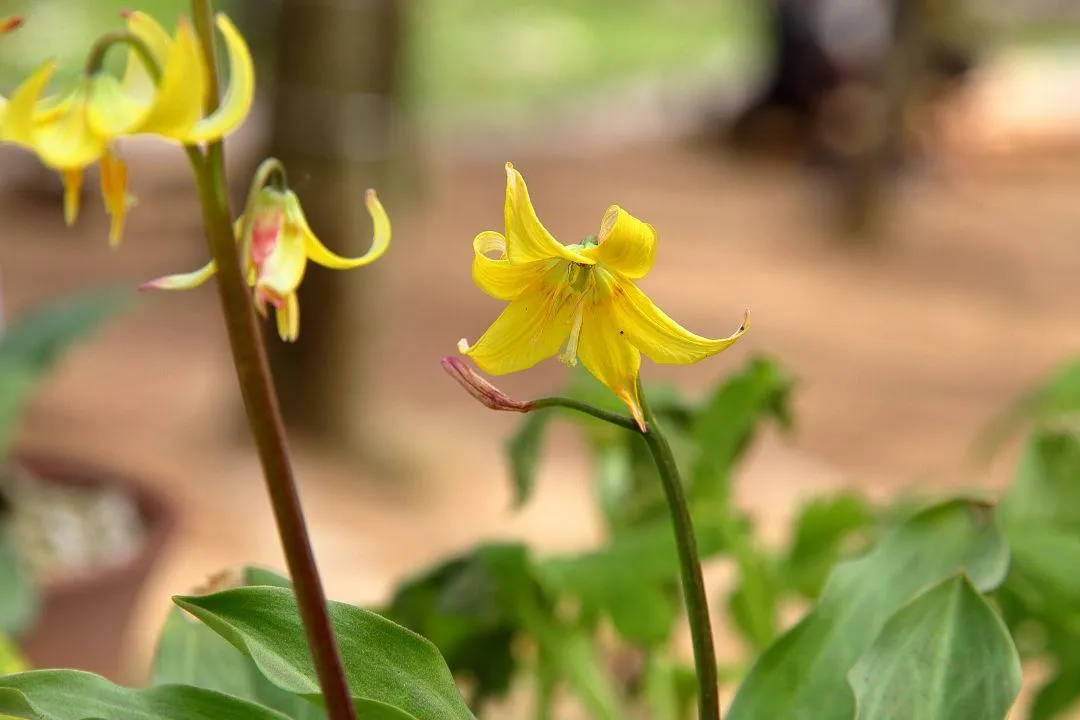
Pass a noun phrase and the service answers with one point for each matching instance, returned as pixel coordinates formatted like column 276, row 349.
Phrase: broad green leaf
column 822, row 529
column 18, row 599
column 944, row 656
column 34, row 343
column 802, row 676
column 1041, row 515
column 523, row 451
column 474, row 608
column 76, row 695
column 189, row 653
column 387, row 666
column 726, row 424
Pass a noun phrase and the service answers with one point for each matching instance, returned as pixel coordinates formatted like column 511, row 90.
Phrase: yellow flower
column 277, row 251
column 581, row 298
column 71, row 131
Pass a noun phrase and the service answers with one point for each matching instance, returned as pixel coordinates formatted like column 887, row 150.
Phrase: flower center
column 579, row 278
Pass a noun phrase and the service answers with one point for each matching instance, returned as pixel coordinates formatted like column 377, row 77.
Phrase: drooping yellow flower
column 277, row 251
column 81, row 125
column 580, row 298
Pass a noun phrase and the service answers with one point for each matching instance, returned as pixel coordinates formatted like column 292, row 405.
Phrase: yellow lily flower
column 581, row 298
column 277, row 251
column 82, row 125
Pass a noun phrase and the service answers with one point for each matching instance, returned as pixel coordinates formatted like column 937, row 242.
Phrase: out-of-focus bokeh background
column 912, row 298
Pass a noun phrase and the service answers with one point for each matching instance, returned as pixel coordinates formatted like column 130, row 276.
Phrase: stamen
column 569, row 353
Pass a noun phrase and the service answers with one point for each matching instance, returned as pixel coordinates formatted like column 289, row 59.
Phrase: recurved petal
column 137, row 80
column 178, row 103
column 531, row 328
column 240, row 93
column 625, row 243
column 69, row 142
column 527, row 240
column 660, row 338
column 497, row 276
column 610, row 357
column 321, row 254
column 17, row 123
column 184, row 281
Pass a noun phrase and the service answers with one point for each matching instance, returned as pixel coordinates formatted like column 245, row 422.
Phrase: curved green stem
column 95, row 60
column 623, row 421
column 261, row 404
column 697, row 604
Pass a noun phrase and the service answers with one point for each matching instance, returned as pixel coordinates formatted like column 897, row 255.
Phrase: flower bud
column 488, row 395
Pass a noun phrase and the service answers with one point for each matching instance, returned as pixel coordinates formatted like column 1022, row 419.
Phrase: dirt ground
column 902, row 352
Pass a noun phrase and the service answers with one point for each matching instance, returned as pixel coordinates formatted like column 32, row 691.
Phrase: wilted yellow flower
column 81, row 125
column 277, row 251
column 580, row 298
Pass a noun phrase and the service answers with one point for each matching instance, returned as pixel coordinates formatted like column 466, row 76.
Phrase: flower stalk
column 693, row 581
column 260, row 400
column 95, row 60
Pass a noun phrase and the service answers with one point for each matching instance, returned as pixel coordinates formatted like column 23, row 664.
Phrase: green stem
column 261, row 404
column 95, row 60
column 623, row 421
column 697, row 604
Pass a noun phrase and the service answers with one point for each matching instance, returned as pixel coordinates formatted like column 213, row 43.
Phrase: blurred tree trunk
column 881, row 124
column 335, row 125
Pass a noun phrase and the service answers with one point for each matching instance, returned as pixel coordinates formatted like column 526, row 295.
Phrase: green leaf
column 387, row 666
column 1041, row 516
column 802, row 676
column 189, row 653
column 666, row 691
column 474, row 607
column 1041, row 408
column 633, row 579
column 76, row 695
column 18, row 600
column 578, row 661
column 35, row 342
column 726, row 424
column 1058, row 695
column 823, row 528
column 944, row 656
column 523, row 451
column 753, row 603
